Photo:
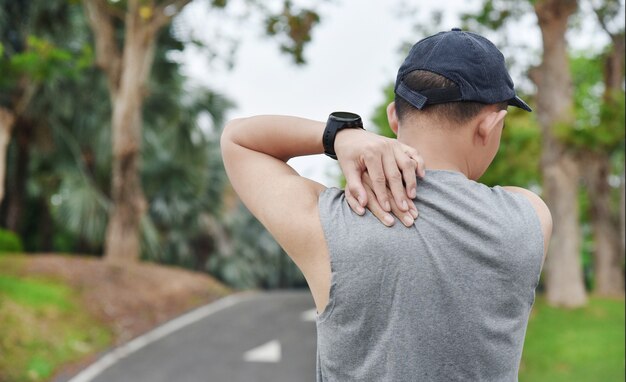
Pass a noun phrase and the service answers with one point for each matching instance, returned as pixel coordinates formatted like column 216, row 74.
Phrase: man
column 443, row 298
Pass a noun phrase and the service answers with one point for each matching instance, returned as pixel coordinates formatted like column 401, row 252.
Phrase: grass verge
column 585, row 344
column 42, row 325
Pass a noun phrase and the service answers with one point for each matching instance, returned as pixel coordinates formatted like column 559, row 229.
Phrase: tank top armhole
column 532, row 219
column 329, row 206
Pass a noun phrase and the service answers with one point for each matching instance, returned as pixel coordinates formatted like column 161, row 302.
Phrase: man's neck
column 441, row 150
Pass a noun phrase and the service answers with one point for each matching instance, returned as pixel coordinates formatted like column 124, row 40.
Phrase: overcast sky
column 354, row 53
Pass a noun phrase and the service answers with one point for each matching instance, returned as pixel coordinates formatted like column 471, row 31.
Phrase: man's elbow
column 230, row 132
column 227, row 139
column 230, row 128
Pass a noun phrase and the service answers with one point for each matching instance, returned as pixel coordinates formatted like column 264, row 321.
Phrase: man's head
column 456, row 81
column 473, row 65
column 456, row 113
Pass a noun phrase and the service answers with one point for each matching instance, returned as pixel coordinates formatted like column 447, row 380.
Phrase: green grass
column 35, row 293
column 42, row 326
column 585, row 344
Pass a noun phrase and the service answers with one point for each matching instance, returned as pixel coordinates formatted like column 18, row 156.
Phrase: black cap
column 469, row 60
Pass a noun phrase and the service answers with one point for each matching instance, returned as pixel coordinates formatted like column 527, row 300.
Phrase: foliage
column 598, row 126
column 184, row 178
column 295, row 26
column 519, row 154
column 379, row 118
column 10, row 242
column 29, row 58
column 256, row 260
column 289, row 23
column 182, row 175
column 494, row 14
column 69, row 169
column 41, row 60
column 43, row 326
column 585, row 344
column 610, row 15
column 191, row 152
column 79, row 207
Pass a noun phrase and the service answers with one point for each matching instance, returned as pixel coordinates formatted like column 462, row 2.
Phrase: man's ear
column 392, row 117
column 488, row 125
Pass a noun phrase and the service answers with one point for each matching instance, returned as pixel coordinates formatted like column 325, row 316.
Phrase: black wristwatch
column 337, row 121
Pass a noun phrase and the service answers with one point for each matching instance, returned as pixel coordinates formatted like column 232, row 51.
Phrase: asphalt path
column 266, row 337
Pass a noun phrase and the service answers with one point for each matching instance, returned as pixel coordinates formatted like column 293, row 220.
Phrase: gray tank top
column 447, row 299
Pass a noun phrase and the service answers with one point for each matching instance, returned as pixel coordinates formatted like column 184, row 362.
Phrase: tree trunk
column 613, row 80
column 46, row 226
column 609, row 278
column 7, row 119
column 123, row 236
column 17, row 186
column 622, row 217
column 127, row 73
column 608, row 250
column 564, row 277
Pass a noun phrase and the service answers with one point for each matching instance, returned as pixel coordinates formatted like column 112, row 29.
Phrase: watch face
column 345, row 116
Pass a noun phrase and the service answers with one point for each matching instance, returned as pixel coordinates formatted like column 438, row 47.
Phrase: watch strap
column 333, row 126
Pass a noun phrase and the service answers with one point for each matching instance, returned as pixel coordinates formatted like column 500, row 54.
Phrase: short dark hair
column 457, row 112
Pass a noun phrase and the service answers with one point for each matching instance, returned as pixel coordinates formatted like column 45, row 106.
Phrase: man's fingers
column 394, row 181
column 406, row 217
column 354, row 203
column 414, row 154
column 354, row 184
column 408, row 166
column 374, row 166
column 376, row 209
column 413, row 211
column 410, row 181
column 421, row 166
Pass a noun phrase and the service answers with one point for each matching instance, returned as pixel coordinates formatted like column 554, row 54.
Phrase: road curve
column 263, row 337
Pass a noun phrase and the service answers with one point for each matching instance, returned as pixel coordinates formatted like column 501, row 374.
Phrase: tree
column 555, row 106
column 609, row 263
column 26, row 61
column 36, row 52
column 127, row 62
column 602, row 136
column 127, row 70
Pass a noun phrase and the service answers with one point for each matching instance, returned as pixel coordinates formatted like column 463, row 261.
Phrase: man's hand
column 387, row 162
column 406, row 217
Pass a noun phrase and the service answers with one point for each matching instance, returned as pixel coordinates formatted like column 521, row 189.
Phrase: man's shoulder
column 535, row 200
column 542, row 210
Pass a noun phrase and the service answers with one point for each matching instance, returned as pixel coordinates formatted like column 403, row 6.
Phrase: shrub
column 10, row 242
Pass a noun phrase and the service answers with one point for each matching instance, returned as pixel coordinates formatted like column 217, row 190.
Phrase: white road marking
column 169, row 327
column 269, row 352
column 309, row 315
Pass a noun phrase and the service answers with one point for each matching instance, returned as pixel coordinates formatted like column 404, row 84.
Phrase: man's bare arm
column 255, row 151
column 391, row 165
column 543, row 213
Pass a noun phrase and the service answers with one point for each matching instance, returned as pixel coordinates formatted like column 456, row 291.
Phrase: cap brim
column 518, row 102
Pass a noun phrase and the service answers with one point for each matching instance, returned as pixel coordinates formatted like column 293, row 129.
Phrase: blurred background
column 116, row 214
